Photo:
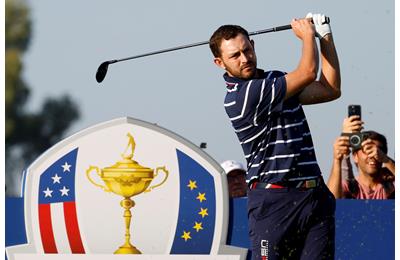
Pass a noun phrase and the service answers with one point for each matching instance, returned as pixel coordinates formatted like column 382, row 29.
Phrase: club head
column 102, row 70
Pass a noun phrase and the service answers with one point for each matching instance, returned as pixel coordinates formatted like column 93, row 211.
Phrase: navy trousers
column 292, row 223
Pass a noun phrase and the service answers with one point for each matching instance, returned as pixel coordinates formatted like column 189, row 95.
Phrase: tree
column 28, row 133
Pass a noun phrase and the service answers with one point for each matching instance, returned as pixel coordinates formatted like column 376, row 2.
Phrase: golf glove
column 321, row 29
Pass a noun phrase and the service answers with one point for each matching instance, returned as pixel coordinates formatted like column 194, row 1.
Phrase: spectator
column 376, row 170
column 236, row 175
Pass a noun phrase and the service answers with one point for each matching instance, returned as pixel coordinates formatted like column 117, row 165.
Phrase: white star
column 56, row 178
column 47, row 192
column 66, row 167
column 64, row 191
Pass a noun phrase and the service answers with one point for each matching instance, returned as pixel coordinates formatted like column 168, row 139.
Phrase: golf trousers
column 292, row 223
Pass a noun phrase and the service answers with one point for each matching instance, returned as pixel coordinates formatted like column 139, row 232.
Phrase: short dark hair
column 225, row 32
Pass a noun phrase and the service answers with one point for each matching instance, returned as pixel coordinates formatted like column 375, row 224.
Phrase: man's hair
column 225, row 32
column 378, row 137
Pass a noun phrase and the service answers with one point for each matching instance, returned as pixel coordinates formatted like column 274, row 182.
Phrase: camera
column 356, row 139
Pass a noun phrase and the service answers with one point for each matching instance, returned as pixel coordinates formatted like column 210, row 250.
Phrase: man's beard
column 244, row 72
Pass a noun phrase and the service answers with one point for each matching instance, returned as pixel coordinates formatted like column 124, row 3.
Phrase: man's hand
column 302, row 28
column 352, row 124
column 341, row 148
column 373, row 151
column 321, row 27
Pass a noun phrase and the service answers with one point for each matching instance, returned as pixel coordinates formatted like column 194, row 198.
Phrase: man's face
column 238, row 57
column 237, row 184
column 367, row 165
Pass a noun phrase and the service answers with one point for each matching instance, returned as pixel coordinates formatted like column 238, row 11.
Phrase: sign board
column 125, row 187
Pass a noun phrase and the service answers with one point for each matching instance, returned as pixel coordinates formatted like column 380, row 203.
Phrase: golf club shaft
column 162, row 51
column 274, row 29
column 102, row 70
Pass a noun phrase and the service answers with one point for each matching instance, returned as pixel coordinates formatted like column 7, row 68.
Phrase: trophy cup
column 127, row 178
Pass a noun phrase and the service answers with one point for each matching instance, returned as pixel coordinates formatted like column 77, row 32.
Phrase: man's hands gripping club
column 321, row 27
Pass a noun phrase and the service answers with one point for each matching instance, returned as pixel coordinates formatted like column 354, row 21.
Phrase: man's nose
column 244, row 58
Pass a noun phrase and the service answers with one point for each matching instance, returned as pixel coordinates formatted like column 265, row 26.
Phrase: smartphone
column 354, row 110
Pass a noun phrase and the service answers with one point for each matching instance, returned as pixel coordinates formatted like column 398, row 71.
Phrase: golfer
column 290, row 209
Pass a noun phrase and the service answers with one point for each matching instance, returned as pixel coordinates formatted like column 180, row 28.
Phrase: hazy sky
column 183, row 91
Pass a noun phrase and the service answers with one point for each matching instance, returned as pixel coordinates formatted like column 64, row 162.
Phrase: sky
column 183, row 91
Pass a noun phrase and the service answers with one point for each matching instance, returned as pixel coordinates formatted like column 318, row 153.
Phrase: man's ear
column 218, row 61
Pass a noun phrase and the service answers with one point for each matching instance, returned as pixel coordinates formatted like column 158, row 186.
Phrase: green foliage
column 16, row 92
column 18, row 25
column 27, row 132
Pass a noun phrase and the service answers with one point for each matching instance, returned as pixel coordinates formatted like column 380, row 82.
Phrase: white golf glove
column 321, row 29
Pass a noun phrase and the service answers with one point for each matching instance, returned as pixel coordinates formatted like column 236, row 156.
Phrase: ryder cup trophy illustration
column 127, row 178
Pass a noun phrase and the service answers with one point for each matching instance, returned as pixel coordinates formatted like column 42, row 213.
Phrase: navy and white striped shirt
column 273, row 132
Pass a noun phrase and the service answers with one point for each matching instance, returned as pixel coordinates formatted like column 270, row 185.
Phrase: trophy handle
column 91, row 168
column 155, row 175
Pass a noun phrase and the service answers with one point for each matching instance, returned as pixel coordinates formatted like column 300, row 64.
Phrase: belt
column 305, row 184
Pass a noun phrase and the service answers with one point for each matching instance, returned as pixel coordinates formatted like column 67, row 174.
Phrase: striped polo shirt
column 273, row 132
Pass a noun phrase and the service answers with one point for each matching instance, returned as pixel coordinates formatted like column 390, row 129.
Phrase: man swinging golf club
column 290, row 209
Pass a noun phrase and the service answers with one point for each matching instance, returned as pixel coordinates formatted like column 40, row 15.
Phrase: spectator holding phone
column 376, row 170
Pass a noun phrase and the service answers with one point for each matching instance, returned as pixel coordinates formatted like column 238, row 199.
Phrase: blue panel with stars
column 57, row 183
column 196, row 221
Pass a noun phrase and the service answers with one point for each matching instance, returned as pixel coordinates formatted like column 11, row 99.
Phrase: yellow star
column 192, row 185
column 201, row 197
column 203, row 212
column 186, row 235
column 197, row 226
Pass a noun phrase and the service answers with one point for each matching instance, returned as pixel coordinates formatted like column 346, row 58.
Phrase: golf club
column 102, row 70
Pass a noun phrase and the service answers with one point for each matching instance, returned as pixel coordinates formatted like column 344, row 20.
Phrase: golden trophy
column 127, row 178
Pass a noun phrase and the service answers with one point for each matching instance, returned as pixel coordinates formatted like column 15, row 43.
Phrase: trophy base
column 127, row 250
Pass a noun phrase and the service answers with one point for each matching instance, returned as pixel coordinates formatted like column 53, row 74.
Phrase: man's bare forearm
column 306, row 71
column 327, row 87
column 335, row 179
column 330, row 73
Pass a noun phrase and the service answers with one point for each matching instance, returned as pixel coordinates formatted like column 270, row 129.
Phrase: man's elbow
column 334, row 90
column 336, row 94
column 333, row 95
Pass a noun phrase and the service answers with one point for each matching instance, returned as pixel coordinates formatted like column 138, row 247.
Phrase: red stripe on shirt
column 46, row 229
column 71, row 224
